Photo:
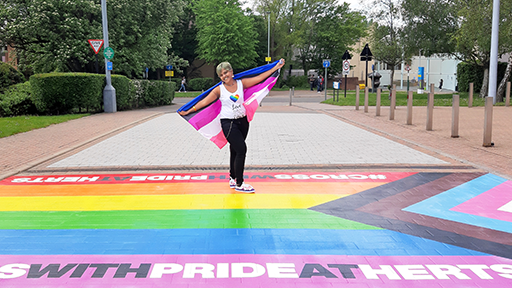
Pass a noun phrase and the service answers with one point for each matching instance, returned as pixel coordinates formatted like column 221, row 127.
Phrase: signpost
column 366, row 55
column 109, row 92
column 346, row 67
column 109, row 66
column 407, row 68
column 96, row 45
column 326, row 64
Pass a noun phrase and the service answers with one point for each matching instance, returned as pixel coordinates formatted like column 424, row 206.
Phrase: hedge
column 17, row 101
column 9, row 76
column 297, row 81
column 472, row 73
column 59, row 93
column 199, row 84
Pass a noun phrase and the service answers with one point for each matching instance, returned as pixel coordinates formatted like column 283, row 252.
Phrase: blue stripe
column 249, row 73
column 439, row 206
column 221, row 241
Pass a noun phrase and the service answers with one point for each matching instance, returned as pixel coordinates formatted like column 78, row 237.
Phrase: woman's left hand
column 280, row 64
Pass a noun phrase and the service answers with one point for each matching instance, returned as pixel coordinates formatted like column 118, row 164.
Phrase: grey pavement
column 274, row 139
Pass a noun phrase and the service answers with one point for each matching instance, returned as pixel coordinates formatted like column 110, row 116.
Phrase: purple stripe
column 205, row 116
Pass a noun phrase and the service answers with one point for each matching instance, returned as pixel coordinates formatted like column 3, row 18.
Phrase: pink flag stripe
column 206, row 115
column 219, row 140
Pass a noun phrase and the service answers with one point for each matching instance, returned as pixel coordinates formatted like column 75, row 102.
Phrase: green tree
column 225, row 33
column 428, row 25
column 473, row 38
column 51, row 35
column 386, row 42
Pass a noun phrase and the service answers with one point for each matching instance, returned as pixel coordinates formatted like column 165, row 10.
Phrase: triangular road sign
column 366, row 51
column 346, row 55
column 96, row 45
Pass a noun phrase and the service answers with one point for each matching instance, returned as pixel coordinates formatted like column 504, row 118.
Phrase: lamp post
column 109, row 92
column 268, row 35
column 493, row 66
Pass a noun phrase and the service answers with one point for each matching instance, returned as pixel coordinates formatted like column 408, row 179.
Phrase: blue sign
column 147, row 70
column 109, row 66
column 327, row 63
column 168, row 67
column 421, row 73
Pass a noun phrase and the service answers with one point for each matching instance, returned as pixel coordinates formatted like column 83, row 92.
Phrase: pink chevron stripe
column 250, row 92
column 206, row 115
column 219, row 140
column 250, row 109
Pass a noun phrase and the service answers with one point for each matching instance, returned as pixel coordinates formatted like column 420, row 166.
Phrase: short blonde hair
column 225, row 66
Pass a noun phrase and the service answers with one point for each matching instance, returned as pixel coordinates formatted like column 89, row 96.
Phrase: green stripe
column 173, row 219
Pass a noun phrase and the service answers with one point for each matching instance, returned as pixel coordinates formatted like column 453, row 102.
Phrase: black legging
column 235, row 131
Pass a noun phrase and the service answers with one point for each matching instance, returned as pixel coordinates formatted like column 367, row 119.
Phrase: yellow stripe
column 164, row 202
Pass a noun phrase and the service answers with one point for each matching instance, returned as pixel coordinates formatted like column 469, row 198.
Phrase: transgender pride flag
column 207, row 119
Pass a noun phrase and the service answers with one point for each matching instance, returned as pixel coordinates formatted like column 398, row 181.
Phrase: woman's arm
column 249, row 82
column 214, row 95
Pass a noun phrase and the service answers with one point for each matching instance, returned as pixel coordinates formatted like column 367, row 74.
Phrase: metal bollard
column 290, row 97
column 357, row 97
column 430, row 108
column 488, row 122
column 470, row 100
column 377, row 109
column 409, row 108
column 365, row 99
column 455, row 116
column 392, row 104
column 507, row 95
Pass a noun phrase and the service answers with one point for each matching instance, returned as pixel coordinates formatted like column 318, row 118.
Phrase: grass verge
column 14, row 125
column 401, row 99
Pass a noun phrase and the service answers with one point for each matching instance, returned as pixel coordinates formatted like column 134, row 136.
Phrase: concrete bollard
column 290, row 97
column 455, row 116
column 507, row 95
column 357, row 97
column 409, row 108
column 488, row 122
column 392, row 104
column 470, row 100
column 430, row 108
column 377, row 108
column 365, row 99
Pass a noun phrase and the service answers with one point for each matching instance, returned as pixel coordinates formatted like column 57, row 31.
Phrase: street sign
column 168, row 67
column 96, row 44
column 169, row 73
column 346, row 56
column 109, row 66
column 366, row 54
column 108, row 53
column 326, row 63
column 268, row 59
column 346, row 67
column 407, row 68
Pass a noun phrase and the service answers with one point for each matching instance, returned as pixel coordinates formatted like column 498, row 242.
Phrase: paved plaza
column 343, row 198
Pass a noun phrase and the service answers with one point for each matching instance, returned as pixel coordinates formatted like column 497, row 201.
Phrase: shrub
column 17, row 100
column 297, row 81
column 472, row 73
column 57, row 93
column 9, row 76
column 198, row 84
column 153, row 93
column 124, row 92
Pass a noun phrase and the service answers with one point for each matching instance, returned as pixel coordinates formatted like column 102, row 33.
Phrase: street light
column 268, row 34
column 109, row 92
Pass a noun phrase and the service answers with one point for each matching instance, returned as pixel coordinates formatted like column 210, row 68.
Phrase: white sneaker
column 232, row 183
column 245, row 188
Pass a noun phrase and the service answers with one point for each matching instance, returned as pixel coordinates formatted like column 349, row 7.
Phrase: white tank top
column 232, row 103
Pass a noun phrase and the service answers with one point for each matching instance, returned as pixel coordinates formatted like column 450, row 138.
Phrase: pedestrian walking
column 320, row 83
column 233, row 115
column 441, row 84
column 311, row 81
column 183, row 83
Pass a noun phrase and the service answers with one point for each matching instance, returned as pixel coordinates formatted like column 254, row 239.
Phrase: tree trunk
column 503, row 83
column 485, row 83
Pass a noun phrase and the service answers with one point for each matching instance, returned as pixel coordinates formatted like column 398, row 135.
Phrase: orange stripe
column 185, row 188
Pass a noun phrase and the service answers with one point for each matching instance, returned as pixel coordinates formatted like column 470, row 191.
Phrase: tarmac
column 343, row 197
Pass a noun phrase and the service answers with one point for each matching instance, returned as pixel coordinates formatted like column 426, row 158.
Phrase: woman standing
column 235, row 125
